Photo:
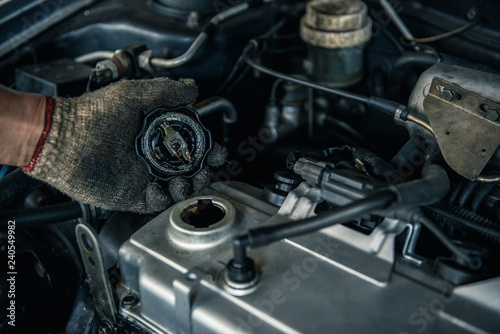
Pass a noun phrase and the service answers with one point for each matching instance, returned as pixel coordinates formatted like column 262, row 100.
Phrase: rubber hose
column 405, row 63
column 36, row 217
column 453, row 194
column 484, row 190
column 15, row 186
column 466, row 193
column 408, row 154
column 378, row 167
column 432, row 187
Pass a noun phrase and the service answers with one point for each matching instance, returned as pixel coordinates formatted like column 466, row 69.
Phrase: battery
column 62, row 77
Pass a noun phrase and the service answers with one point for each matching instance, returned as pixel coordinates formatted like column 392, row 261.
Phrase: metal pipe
column 184, row 58
column 212, row 105
column 396, row 20
column 489, row 178
column 200, row 40
column 417, row 120
column 307, row 83
column 232, row 11
column 383, row 105
column 94, row 56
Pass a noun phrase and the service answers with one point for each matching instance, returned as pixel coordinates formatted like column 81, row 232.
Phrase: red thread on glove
column 49, row 112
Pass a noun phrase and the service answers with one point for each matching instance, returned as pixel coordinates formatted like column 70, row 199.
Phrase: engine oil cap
column 173, row 142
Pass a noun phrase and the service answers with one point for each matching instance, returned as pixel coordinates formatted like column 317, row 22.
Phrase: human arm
column 86, row 148
column 22, row 119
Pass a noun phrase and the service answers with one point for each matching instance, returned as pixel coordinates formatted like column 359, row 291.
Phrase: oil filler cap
column 173, row 142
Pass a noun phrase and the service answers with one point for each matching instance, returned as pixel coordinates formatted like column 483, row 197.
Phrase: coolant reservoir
column 336, row 32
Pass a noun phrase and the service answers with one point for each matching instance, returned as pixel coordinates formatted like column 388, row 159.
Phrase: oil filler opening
column 202, row 214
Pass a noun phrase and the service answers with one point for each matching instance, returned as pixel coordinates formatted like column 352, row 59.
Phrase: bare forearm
column 22, row 119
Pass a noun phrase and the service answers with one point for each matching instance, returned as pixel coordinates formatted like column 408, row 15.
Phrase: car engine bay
column 360, row 193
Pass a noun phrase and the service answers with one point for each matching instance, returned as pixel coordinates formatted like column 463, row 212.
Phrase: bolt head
column 448, row 94
column 493, row 115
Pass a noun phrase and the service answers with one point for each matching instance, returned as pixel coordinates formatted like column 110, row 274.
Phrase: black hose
column 403, row 64
column 430, row 188
column 378, row 167
column 410, row 59
column 36, row 217
column 392, row 39
column 307, row 83
column 414, row 148
column 15, row 186
column 242, row 269
column 230, row 78
column 466, row 193
column 265, row 235
column 357, row 136
column 484, row 190
column 386, row 106
column 223, row 89
column 453, row 194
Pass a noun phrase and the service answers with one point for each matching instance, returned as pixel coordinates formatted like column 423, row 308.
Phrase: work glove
column 87, row 149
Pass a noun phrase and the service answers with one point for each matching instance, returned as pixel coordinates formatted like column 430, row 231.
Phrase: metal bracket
column 410, row 244
column 183, row 290
column 97, row 275
column 465, row 129
column 301, row 202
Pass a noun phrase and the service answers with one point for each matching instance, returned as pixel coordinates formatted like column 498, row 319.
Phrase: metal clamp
column 97, row 275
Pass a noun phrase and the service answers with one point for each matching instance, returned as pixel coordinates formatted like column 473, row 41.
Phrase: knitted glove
column 87, row 148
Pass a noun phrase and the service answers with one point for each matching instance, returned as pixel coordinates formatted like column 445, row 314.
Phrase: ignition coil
column 173, row 142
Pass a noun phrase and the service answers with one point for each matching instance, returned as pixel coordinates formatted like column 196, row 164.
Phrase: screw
column 130, row 301
column 493, row 115
column 448, row 94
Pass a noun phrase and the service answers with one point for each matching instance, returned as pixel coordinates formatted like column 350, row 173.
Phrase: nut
column 448, row 94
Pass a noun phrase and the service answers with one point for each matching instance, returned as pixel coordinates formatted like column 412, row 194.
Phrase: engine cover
column 337, row 280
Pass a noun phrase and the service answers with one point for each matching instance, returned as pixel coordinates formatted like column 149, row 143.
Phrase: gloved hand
column 87, row 149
